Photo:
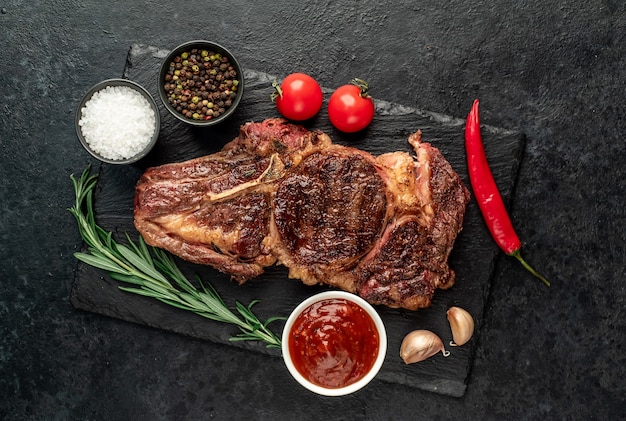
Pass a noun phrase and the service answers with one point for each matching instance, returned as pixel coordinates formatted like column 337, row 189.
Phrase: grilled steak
column 381, row 227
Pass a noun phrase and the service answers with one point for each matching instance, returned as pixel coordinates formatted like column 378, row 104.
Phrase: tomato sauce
column 333, row 343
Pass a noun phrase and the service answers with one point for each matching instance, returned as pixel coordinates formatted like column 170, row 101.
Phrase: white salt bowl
column 114, row 138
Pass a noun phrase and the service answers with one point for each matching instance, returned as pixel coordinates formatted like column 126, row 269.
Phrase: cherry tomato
column 350, row 108
column 299, row 97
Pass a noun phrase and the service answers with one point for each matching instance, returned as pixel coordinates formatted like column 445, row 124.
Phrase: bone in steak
column 381, row 227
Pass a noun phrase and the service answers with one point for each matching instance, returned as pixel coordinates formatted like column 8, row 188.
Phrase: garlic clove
column 419, row 345
column 461, row 324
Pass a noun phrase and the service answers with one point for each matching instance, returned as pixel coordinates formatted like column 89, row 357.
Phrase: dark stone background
column 554, row 70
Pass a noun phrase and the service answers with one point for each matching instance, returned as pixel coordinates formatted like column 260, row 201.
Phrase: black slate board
column 473, row 256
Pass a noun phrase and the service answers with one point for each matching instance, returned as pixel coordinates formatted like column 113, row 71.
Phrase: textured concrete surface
column 554, row 70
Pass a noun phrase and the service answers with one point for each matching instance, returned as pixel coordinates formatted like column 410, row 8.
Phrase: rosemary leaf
column 146, row 292
column 241, row 337
column 160, row 289
column 141, row 264
column 129, row 279
column 163, row 298
column 247, row 314
column 140, row 249
column 210, row 291
column 193, row 302
column 273, row 319
column 98, row 262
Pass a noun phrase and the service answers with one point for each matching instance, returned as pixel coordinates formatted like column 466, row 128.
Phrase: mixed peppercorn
column 201, row 84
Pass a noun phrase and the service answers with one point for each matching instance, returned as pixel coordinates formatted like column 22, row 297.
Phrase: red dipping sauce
column 333, row 343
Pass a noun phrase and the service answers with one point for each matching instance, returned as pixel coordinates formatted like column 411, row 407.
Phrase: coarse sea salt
column 117, row 122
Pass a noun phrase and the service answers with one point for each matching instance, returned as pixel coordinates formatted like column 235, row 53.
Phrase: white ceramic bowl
column 351, row 388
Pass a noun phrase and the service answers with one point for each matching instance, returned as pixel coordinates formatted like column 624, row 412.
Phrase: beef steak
column 381, row 227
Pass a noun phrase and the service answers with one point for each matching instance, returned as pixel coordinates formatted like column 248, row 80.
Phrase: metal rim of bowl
column 382, row 350
column 138, row 88
column 207, row 45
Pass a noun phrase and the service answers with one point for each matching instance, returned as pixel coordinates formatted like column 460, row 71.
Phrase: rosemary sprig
column 150, row 270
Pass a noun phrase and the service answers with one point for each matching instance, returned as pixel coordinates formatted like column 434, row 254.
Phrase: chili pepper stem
column 518, row 256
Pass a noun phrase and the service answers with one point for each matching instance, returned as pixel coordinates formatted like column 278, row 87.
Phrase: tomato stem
column 362, row 85
column 277, row 91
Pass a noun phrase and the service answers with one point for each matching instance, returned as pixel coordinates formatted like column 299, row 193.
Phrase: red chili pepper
column 487, row 193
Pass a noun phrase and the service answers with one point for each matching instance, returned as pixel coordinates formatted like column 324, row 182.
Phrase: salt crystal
column 117, row 122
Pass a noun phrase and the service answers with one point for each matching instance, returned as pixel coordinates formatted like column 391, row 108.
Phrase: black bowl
column 211, row 47
column 137, row 88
